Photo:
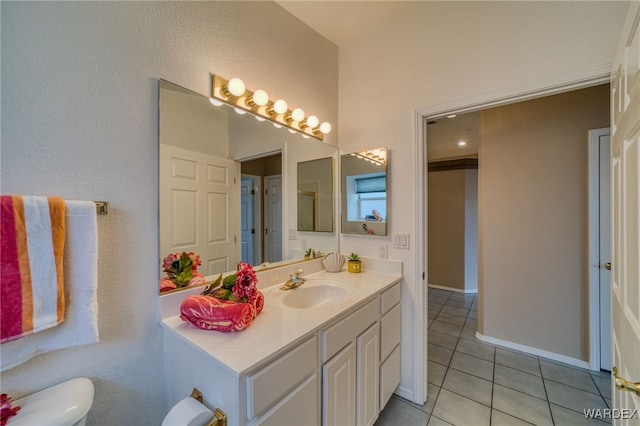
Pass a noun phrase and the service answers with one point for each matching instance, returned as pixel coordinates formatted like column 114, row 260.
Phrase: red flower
column 6, row 411
column 245, row 288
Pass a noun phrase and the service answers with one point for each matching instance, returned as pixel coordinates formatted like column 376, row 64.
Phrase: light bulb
column 292, row 131
column 297, row 114
column 236, row 87
column 312, row 121
column 240, row 111
column 259, row 118
column 260, row 97
column 325, row 127
column 215, row 102
column 280, row 106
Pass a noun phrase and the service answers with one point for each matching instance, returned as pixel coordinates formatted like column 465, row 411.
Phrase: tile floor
column 475, row 383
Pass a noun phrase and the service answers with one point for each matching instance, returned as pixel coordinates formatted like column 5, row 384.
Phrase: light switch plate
column 401, row 241
column 293, row 234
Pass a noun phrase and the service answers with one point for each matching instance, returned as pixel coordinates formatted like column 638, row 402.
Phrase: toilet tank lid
column 65, row 403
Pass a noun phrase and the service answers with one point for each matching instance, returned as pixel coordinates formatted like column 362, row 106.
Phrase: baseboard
column 533, row 351
column 457, row 290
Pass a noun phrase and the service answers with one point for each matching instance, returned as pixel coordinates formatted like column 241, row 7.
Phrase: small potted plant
column 308, row 254
column 355, row 264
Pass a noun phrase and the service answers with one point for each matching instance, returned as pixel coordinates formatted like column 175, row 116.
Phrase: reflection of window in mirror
column 369, row 197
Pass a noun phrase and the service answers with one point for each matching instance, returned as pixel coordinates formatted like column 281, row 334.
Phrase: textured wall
column 443, row 52
column 80, row 120
column 533, row 219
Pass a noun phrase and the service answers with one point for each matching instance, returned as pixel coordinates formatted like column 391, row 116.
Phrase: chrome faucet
column 295, row 280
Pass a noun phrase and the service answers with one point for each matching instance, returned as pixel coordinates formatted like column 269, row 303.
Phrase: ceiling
column 344, row 21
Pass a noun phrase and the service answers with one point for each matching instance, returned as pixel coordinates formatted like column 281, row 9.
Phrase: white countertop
column 278, row 326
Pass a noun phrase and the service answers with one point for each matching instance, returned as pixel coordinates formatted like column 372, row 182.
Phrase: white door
column 273, row 218
column 625, row 216
column 247, row 220
column 604, row 144
column 200, row 203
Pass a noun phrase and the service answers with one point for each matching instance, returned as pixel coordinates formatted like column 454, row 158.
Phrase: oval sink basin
column 305, row 297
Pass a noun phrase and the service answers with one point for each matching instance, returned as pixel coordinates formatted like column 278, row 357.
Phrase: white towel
column 80, row 326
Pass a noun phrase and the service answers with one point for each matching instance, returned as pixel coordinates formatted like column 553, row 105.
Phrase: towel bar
column 101, row 207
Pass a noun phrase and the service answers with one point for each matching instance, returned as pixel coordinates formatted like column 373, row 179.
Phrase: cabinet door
column 339, row 388
column 300, row 407
column 367, row 376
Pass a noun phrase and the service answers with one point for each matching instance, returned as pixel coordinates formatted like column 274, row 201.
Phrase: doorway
column 522, row 93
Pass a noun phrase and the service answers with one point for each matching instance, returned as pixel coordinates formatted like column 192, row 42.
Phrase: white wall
column 440, row 53
column 80, row 120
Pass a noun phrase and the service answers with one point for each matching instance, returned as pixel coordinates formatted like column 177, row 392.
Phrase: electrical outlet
column 382, row 251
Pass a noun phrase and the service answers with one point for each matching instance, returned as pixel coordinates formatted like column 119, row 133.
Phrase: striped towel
column 31, row 261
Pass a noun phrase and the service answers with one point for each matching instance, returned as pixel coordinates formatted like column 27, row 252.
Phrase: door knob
column 607, row 266
column 623, row 384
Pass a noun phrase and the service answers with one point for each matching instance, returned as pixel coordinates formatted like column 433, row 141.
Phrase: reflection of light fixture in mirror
column 215, row 102
column 462, row 143
column 240, row 111
column 235, row 93
column 375, row 156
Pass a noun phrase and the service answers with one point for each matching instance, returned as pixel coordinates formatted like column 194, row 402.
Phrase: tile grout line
column 546, row 394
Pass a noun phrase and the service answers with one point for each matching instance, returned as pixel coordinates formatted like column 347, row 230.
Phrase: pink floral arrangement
column 226, row 305
column 6, row 410
column 182, row 271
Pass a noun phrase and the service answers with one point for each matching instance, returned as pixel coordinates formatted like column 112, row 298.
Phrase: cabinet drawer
column 341, row 333
column 389, row 376
column 390, row 298
column 300, row 407
column 389, row 331
column 275, row 380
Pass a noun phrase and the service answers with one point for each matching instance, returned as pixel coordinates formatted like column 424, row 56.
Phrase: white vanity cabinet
column 389, row 343
column 332, row 366
column 350, row 377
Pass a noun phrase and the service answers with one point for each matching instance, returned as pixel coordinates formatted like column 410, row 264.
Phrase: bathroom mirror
column 206, row 200
column 315, row 195
column 364, row 192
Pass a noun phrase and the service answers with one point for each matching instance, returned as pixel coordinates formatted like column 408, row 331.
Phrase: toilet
column 65, row 404
column 68, row 403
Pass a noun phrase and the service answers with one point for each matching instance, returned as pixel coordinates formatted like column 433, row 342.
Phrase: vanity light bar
column 233, row 92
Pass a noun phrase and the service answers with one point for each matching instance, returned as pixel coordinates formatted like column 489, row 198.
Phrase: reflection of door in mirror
column 364, row 192
column 198, row 199
column 267, row 173
column 250, row 223
column 273, row 218
column 306, row 210
column 315, row 195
